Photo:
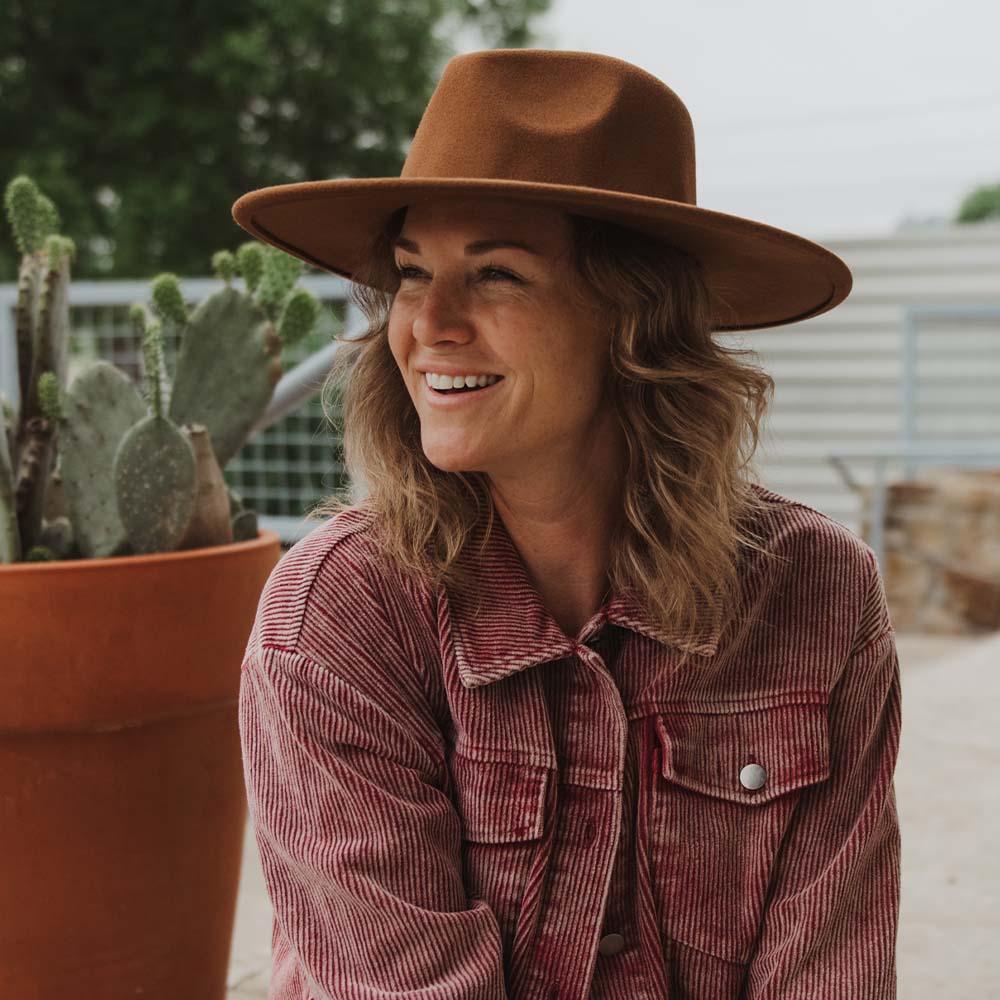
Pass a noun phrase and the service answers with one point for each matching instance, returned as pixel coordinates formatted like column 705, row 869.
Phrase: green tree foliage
column 144, row 121
column 981, row 203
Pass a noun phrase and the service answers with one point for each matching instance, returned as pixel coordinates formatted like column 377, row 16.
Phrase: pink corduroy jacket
column 452, row 808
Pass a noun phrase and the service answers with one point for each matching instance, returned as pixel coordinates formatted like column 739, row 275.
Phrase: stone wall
column 942, row 550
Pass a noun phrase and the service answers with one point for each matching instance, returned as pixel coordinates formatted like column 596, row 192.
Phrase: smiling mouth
column 468, row 388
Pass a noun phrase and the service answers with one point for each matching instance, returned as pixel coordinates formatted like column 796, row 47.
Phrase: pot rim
column 266, row 537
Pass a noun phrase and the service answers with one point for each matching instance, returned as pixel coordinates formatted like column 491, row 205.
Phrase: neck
column 562, row 526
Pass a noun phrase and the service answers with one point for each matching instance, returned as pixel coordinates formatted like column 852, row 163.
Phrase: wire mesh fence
column 283, row 470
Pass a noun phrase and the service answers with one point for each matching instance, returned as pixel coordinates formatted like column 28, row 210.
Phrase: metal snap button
column 753, row 776
column 611, row 944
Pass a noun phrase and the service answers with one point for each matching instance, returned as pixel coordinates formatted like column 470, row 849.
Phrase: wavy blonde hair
column 690, row 408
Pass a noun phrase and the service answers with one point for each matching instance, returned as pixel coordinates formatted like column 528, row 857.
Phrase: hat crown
column 556, row 117
column 583, row 133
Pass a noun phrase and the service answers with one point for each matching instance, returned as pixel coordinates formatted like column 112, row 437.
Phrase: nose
column 441, row 317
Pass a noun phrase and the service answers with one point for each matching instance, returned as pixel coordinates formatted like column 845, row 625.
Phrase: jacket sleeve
column 831, row 916
column 360, row 847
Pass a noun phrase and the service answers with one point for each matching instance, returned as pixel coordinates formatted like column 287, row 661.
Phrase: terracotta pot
column 122, row 800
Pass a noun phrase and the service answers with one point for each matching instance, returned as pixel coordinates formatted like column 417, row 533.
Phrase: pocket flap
column 778, row 749
column 500, row 801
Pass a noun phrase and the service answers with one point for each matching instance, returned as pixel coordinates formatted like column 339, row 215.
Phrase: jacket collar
column 514, row 629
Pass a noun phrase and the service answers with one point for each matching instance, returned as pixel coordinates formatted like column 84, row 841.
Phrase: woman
column 568, row 705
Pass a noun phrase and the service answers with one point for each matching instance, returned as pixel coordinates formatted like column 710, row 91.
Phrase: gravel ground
column 948, row 796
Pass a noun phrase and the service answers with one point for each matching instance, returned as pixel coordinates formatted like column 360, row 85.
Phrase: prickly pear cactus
column 156, row 482
column 101, row 470
column 230, row 356
column 101, row 406
column 154, row 469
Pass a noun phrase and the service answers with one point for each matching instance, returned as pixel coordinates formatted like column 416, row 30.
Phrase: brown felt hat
column 584, row 132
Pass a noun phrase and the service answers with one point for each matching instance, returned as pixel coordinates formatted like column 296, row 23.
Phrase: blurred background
column 874, row 131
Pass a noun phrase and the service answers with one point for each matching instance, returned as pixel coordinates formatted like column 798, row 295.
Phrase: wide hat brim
column 759, row 276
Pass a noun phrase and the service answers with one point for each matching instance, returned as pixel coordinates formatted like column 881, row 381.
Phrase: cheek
column 399, row 344
column 575, row 385
column 557, row 405
column 393, row 335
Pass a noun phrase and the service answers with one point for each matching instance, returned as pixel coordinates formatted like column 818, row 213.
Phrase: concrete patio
column 948, row 794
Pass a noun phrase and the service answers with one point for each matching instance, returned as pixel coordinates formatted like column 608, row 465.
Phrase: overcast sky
column 829, row 120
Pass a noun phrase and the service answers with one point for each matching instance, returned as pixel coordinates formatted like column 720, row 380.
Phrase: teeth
column 436, row 381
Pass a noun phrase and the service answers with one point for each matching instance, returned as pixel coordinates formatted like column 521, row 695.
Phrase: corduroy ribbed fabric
column 459, row 808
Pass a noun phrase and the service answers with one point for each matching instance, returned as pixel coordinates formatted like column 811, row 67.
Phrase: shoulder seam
column 881, row 637
column 351, row 530
column 355, row 529
column 317, row 569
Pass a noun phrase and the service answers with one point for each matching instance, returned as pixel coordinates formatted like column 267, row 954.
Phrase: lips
column 426, row 374
column 445, row 400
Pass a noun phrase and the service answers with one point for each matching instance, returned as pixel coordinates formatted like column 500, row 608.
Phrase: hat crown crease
column 576, row 122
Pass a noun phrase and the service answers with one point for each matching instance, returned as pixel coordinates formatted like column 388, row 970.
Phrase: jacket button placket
column 586, row 839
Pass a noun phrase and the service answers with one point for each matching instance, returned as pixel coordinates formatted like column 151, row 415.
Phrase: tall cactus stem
column 152, row 353
column 28, row 285
column 32, row 215
column 49, row 398
column 167, row 300
column 50, row 343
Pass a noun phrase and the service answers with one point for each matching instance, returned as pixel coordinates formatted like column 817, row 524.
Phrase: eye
column 406, row 271
column 499, row 272
column 489, row 272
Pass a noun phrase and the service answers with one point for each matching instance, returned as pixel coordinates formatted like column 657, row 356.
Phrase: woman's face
column 504, row 311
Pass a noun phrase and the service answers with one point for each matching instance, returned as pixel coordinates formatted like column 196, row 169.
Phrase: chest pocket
column 725, row 786
column 499, row 802
column 503, row 808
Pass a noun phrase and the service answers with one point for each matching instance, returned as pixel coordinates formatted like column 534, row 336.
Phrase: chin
column 455, row 449
column 452, row 461
column 455, row 465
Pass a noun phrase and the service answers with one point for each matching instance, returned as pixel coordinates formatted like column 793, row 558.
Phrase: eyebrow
column 476, row 247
